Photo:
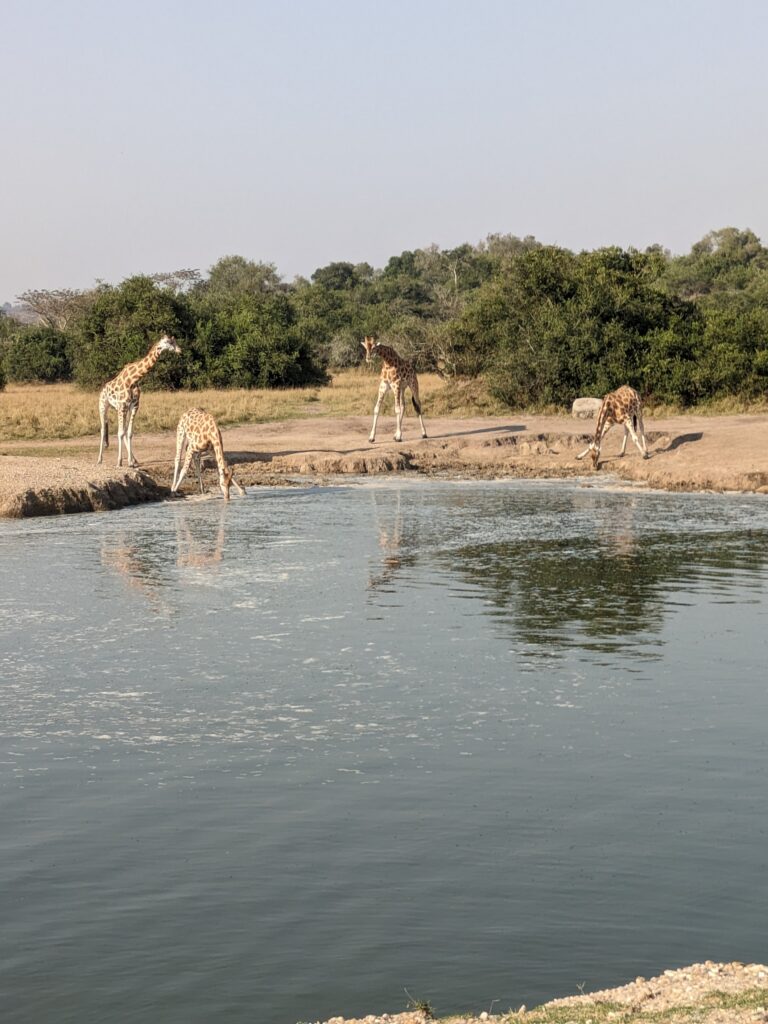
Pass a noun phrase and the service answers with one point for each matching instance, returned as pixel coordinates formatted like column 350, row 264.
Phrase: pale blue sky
column 158, row 134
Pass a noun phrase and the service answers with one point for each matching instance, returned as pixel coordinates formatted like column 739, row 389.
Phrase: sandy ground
column 689, row 453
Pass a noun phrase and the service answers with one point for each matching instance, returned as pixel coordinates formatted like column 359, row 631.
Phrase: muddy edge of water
column 686, row 454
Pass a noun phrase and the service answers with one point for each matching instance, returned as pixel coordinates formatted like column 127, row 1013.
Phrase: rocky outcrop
column 586, row 408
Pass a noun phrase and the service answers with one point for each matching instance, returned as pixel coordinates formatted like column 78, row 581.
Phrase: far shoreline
column 687, row 453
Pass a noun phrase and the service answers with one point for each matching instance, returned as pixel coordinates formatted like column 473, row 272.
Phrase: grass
column 39, row 412
column 711, row 1008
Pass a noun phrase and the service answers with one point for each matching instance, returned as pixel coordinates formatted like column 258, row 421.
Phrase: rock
column 586, row 408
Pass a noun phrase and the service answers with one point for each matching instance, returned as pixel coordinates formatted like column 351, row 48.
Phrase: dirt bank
column 691, row 453
column 708, row 993
column 32, row 486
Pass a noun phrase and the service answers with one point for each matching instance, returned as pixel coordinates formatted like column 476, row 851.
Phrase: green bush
column 38, row 354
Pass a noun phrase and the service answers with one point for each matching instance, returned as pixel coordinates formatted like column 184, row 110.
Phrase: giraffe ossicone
column 197, row 433
column 397, row 374
column 123, row 394
column 622, row 406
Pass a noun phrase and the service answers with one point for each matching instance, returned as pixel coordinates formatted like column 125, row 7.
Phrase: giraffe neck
column 388, row 355
column 133, row 372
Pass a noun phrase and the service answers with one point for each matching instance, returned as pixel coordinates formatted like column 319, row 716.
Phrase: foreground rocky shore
column 705, row 993
column 727, row 453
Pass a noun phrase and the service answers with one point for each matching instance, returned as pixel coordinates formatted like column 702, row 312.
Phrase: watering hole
column 289, row 757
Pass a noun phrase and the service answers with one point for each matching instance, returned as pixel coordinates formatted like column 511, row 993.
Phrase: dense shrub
column 38, row 354
column 541, row 323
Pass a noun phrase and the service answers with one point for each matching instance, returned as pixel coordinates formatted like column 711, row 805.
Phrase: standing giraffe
column 620, row 406
column 397, row 374
column 123, row 394
column 197, row 432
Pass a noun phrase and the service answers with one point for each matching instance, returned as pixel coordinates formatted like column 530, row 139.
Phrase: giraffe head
column 167, row 344
column 370, row 347
column 225, row 482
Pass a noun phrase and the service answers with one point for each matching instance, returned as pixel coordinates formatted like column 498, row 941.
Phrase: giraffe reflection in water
column 146, row 567
column 134, row 559
column 197, row 546
column 397, row 541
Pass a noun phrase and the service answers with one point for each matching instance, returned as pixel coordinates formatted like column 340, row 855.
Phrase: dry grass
column 60, row 411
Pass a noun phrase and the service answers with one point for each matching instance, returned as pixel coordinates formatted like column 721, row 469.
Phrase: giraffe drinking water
column 196, row 433
column 620, row 406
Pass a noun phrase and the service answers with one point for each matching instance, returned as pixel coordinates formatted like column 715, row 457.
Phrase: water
column 290, row 757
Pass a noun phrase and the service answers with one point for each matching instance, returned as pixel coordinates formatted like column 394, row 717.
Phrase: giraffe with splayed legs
column 397, row 374
column 196, row 433
column 620, row 406
column 123, row 394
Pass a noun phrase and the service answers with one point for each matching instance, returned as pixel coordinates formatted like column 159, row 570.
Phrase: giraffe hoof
column 371, row 440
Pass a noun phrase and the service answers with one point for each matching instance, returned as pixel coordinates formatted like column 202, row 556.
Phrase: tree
column 57, row 308
column 38, row 354
column 235, row 276
column 178, row 281
column 121, row 324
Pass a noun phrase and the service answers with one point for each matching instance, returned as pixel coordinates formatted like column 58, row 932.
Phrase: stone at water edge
column 586, row 408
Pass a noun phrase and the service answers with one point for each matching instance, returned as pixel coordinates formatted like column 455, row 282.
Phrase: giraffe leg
column 198, row 461
column 630, row 427
column 121, row 417
column 383, row 387
column 226, row 473
column 104, row 424
column 184, row 469
column 641, row 433
column 226, row 479
column 399, row 410
column 417, row 404
column 624, row 442
column 181, row 446
column 133, row 409
column 597, row 444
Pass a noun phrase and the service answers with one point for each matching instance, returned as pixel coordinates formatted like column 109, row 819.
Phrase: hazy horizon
column 300, row 134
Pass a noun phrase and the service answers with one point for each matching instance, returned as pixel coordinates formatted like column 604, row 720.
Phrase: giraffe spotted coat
column 123, row 394
column 620, row 406
column 197, row 433
column 397, row 374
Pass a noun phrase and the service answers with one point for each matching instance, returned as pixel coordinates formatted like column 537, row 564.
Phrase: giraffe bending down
column 123, row 394
column 197, row 432
column 620, row 406
column 397, row 374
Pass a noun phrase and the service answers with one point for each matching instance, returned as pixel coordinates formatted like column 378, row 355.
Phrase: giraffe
column 620, row 406
column 123, row 394
column 197, row 432
column 397, row 374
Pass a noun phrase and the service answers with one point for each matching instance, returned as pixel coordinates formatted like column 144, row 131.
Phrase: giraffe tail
column 416, row 405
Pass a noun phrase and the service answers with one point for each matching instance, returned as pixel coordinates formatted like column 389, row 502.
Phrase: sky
column 144, row 136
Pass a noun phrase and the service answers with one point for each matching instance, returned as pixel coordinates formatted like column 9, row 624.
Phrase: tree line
column 540, row 323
